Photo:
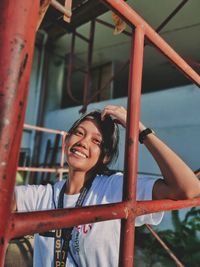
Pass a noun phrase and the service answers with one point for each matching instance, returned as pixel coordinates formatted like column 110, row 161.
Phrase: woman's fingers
column 118, row 113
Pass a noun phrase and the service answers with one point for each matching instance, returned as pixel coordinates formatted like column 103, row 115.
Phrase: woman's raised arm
column 179, row 180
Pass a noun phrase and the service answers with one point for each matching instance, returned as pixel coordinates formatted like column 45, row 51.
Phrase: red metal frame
column 17, row 32
column 60, row 169
column 17, row 35
column 131, row 151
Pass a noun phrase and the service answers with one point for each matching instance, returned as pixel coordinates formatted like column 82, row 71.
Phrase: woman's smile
column 78, row 152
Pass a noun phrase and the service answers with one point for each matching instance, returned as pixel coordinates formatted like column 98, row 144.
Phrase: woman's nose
column 84, row 142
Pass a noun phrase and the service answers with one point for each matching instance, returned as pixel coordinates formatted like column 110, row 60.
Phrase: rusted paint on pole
column 131, row 151
column 18, row 23
column 131, row 17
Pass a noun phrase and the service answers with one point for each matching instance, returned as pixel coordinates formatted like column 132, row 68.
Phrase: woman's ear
column 106, row 159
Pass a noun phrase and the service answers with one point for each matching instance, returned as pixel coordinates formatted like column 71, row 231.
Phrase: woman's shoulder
column 109, row 180
column 110, row 176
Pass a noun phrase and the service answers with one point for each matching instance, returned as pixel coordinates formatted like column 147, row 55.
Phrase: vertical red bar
column 17, row 33
column 87, row 81
column 131, row 160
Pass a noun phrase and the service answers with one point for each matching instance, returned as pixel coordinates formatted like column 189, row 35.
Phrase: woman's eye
column 97, row 141
column 78, row 133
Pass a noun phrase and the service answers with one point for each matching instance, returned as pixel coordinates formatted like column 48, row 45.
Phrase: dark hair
column 110, row 135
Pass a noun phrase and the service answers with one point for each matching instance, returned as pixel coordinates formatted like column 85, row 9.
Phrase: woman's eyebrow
column 85, row 129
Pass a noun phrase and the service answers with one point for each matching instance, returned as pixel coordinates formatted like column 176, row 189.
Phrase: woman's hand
column 118, row 113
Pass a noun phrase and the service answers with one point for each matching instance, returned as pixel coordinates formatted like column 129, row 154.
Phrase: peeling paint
column 130, row 141
column 97, row 219
column 6, row 122
column 126, row 212
column 13, row 226
column 23, row 66
column 6, row 146
column 2, row 241
column 3, row 163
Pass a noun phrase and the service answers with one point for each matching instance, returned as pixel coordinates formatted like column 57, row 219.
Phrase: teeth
column 79, row 153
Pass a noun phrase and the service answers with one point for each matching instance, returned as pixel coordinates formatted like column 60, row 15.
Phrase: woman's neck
column 75, row 182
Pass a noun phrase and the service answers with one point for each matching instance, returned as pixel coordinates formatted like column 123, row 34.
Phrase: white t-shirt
column 93, row 244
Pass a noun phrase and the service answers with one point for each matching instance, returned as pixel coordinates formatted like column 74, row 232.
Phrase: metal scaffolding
column 17, row 34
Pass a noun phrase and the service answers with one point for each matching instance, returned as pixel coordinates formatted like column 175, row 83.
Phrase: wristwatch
column 144, row 133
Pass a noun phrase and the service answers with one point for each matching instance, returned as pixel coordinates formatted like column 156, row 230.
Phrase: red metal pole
column 69, row 69
column 87, row 80
column 43, row 129
column 135, row 80
column 40, row 221
column 18, row 23
column 51, row 170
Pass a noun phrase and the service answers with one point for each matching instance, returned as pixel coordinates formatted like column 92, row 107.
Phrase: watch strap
column 144, row 133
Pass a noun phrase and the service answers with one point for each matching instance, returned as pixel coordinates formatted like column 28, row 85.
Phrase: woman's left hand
column 118, row 113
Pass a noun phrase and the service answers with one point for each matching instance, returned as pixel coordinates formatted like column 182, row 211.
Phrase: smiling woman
column 97, row 138
column 92, row 143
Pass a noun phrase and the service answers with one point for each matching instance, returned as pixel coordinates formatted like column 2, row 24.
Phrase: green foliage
column 184, row 240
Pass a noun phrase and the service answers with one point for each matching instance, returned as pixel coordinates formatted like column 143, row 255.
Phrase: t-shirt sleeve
column 33, row 197
column 144, row 191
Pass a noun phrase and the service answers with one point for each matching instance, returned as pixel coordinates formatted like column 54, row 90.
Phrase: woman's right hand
column 118, row 113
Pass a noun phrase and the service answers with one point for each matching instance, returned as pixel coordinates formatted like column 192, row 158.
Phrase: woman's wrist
column 141, row 127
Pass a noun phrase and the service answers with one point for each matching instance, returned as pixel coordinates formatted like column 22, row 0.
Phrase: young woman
column 90, row 146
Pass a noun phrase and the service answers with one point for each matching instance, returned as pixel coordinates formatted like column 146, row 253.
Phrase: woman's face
column 83, row 146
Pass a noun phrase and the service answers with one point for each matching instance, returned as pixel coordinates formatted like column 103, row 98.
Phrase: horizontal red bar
column 40, row 221
column 52, row 170
column 43, row 129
